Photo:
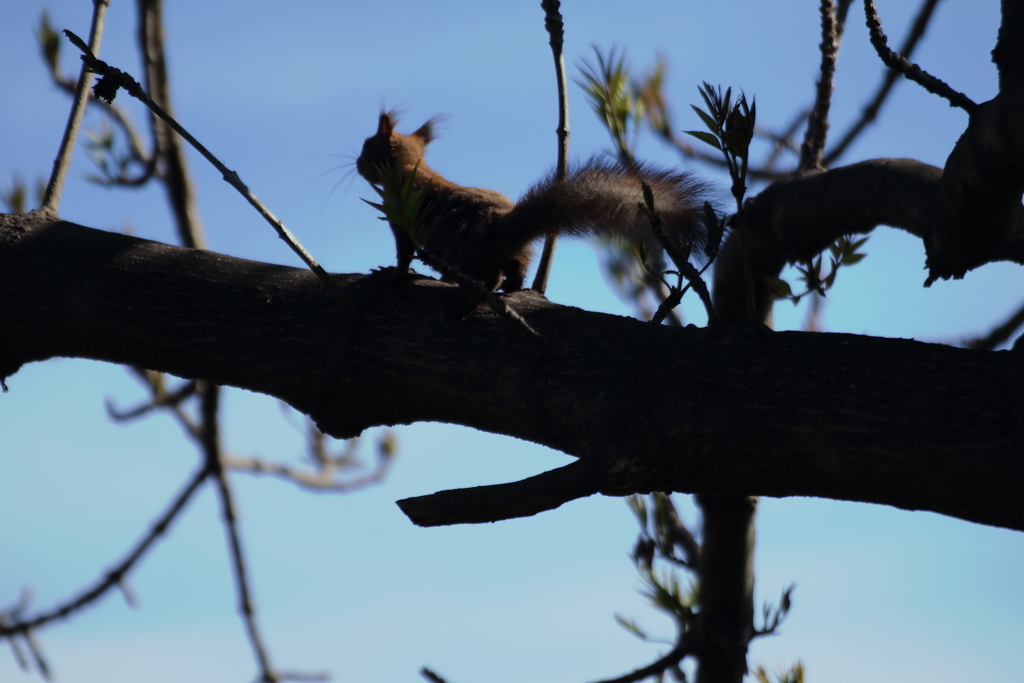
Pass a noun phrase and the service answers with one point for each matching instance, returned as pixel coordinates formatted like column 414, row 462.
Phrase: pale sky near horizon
column 285, row 94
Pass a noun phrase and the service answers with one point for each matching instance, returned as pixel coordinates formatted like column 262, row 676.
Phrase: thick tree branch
column 739, row 410
column 795, row 219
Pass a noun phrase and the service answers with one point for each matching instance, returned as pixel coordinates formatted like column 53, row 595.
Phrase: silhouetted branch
column 912, row 71
column 782, row 141
column 870, row 112
column 656, row 668
column 396, row 364
column 817, row 121
column 113, row 79
column 323, row 479
column 160, row 399
column 555, row 29
column 115, row 575
column 431, row 676
column 51, row 198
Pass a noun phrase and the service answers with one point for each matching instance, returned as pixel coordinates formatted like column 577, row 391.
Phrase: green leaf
column 708, row 121
column 779, row 287
column 710, row 98
column 704, row 137
column 631, row 627
column 854, row 246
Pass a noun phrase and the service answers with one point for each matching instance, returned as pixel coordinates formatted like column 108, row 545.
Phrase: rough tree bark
column 738, row 410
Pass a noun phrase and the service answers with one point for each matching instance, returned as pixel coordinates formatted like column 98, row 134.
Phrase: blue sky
column 285, row 93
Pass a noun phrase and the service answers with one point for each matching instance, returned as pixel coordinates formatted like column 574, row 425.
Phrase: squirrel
column 485, row 235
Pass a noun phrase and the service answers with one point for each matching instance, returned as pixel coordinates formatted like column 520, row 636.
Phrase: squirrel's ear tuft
column 426, row 131
column 386, row 123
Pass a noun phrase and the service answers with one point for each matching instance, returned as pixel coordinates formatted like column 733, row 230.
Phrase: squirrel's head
column 388, row 148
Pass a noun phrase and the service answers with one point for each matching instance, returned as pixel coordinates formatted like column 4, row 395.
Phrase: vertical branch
column 51, row 198
column 817, row 122
column 726, row 616
column 556, row 32
column 210, row 437
column 170, row 155
column 168, row 150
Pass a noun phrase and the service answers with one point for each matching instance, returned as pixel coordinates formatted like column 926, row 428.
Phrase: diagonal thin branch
column 870, row 112
column 657, row 667
column 321, row 480
column 912, row 71
column 115, row 575
column 113, row 79
column 159, row 400
column 210, row 443
column 51, row 198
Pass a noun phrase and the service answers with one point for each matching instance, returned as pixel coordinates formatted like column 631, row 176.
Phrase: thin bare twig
column 115, row 575
column 51, row 198
column 912, row 71
column 870, row 112
column 817, row 122
column 210, row 397
column 555, row 29
column 303, row 676
column 160, row 399
column 19, row 653
column 112, row 79
column 37, row 655
column 659, row 666
column 167, row 148
column 782, row 141
column 682, row 263
column 323, row 479
column 431, row 676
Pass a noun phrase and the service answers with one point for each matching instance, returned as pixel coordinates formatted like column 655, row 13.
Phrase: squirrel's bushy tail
column 600, row 197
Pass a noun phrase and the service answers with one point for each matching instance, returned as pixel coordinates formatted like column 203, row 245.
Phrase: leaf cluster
column 613, row 98
column 794, row 674
column 845, row 251
column 730, row 125
column 662, row 546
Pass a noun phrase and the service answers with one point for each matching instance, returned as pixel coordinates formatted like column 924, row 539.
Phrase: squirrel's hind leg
column 514, row 272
